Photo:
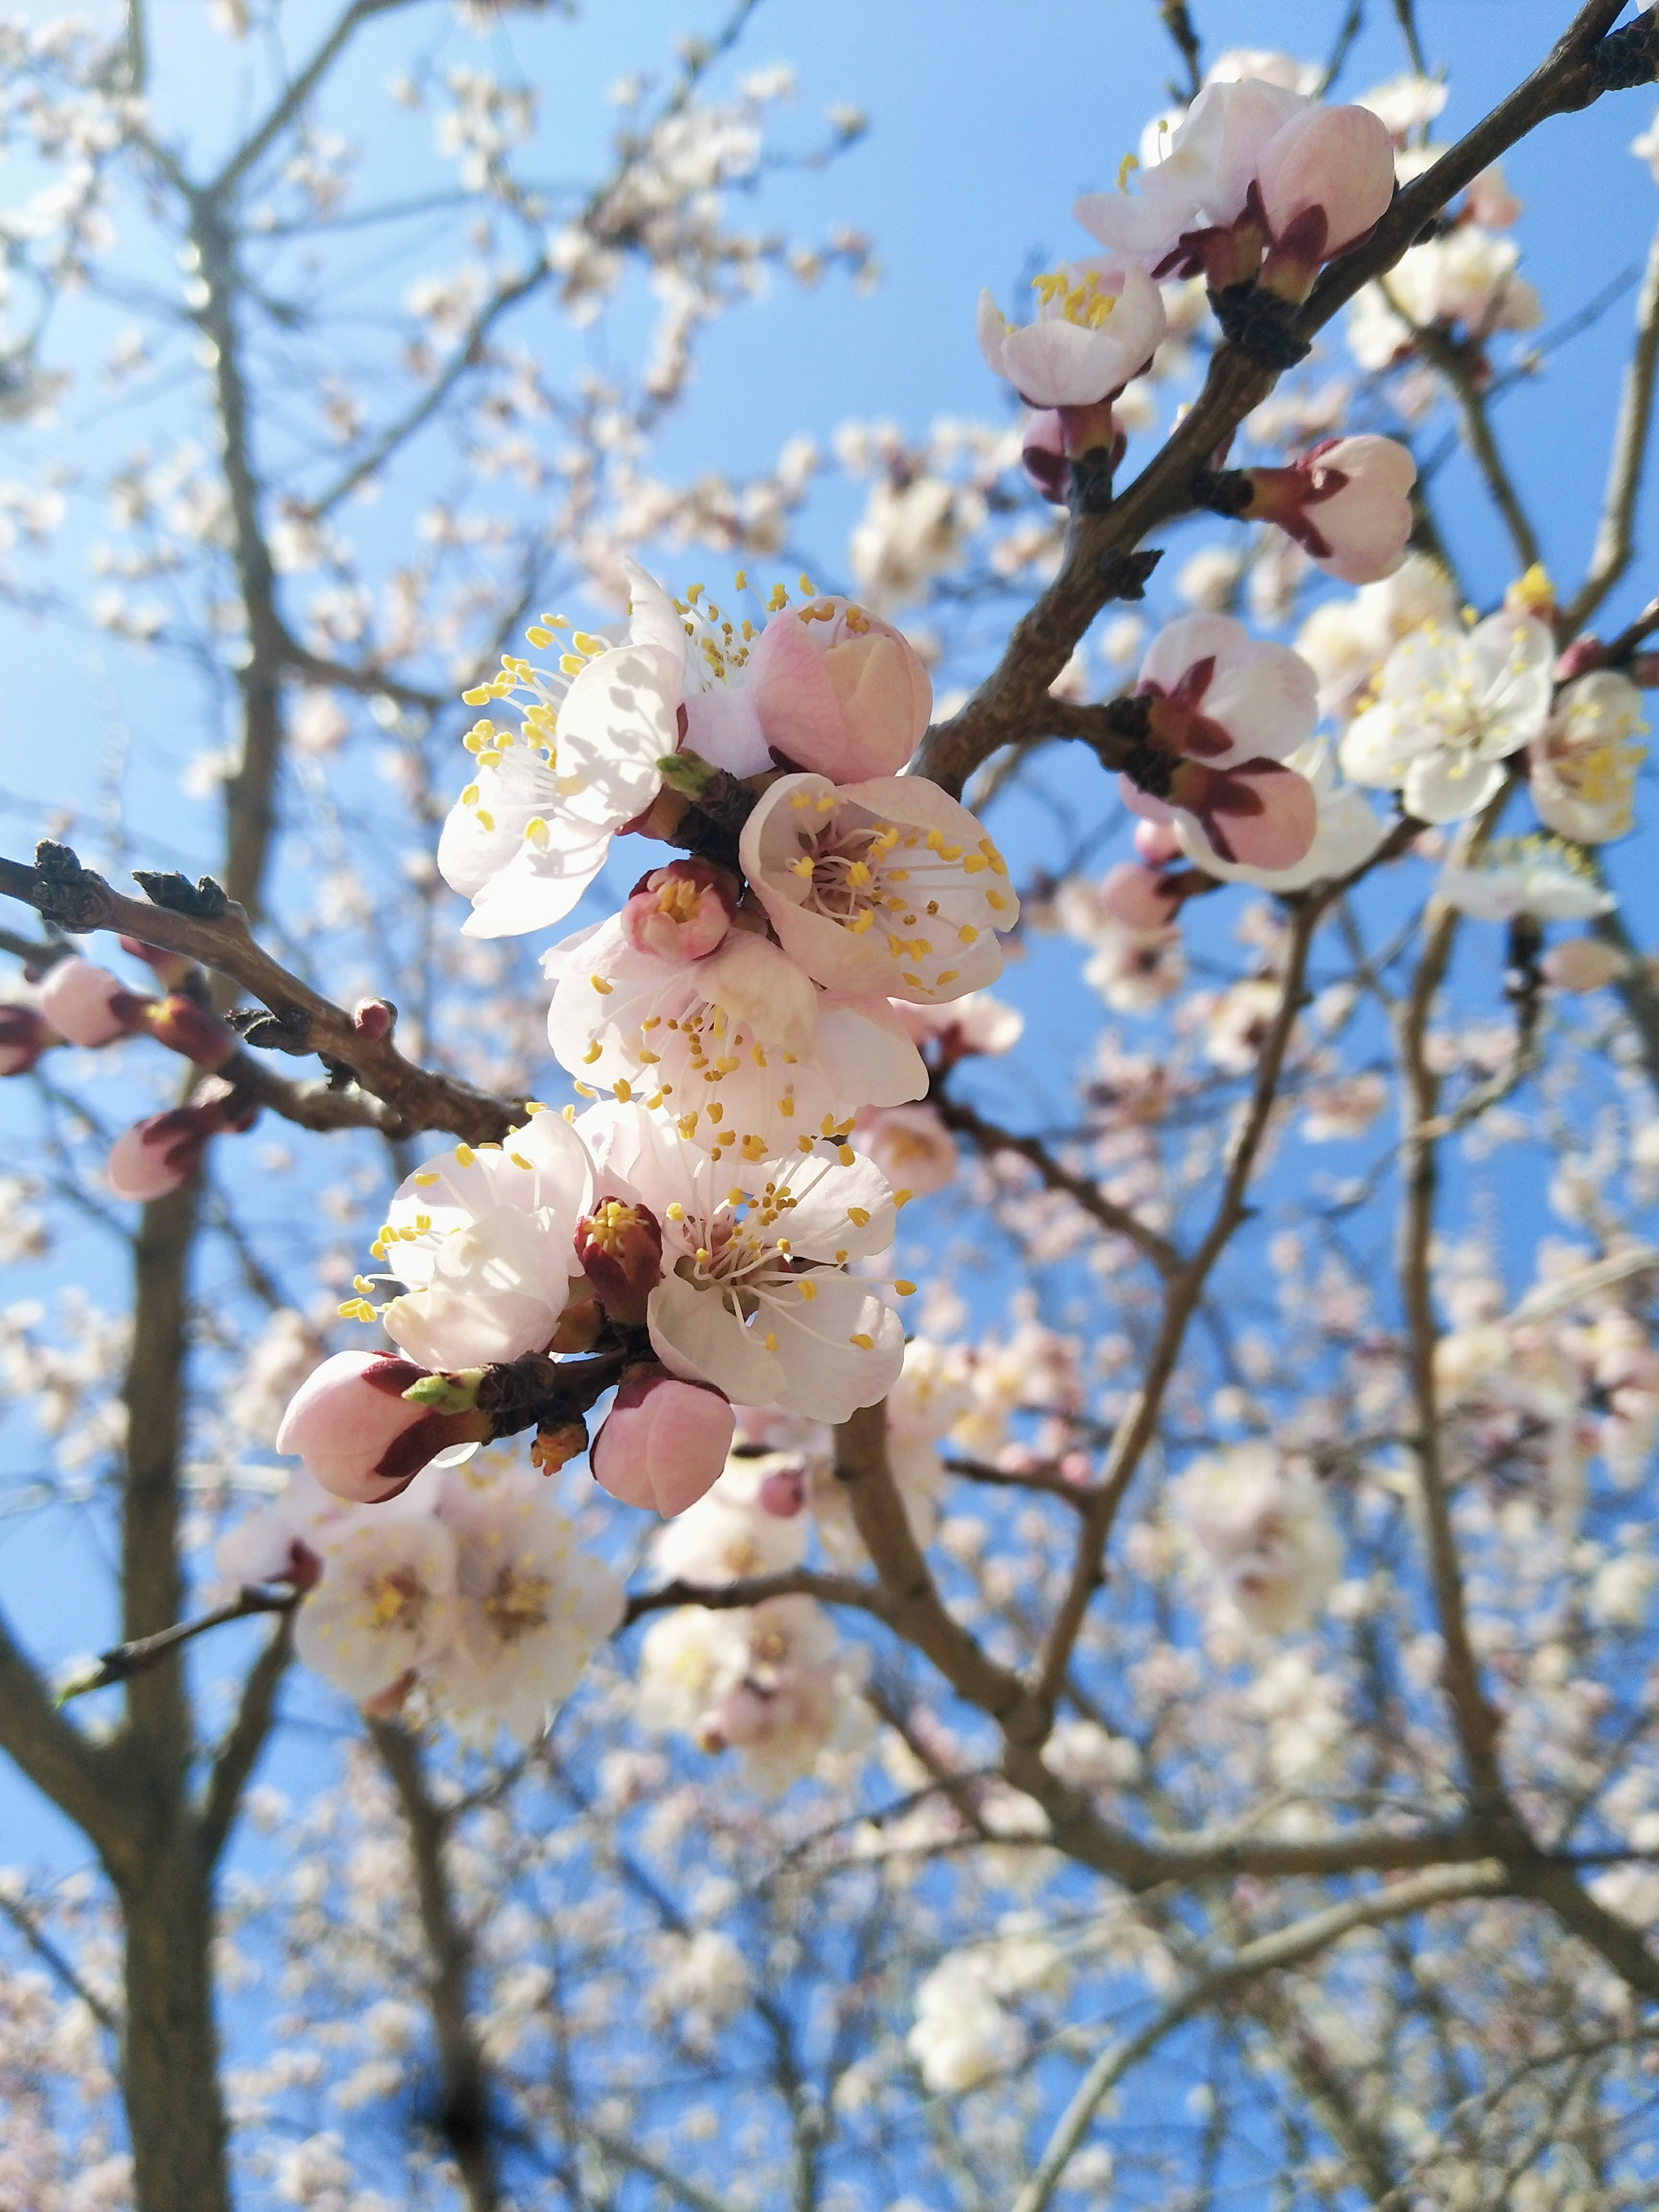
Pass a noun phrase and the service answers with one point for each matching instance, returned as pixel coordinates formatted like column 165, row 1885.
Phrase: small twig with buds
column 123, row 1661
column 199, row 922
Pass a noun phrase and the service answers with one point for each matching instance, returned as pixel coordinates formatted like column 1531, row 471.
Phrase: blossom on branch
column 1582, row 765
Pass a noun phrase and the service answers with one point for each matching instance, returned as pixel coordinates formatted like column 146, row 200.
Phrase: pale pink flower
column 1346, row 503
column 1263, row 1524
column 739, row 1050
column 87, row 1003
column 1582, row 766
column 729, row 1535
column 386, row 1603
column 529, row 1606
column 356, row 1433
column 1139, row 898
column 796, row 1696
column 1099, row 324
column 754, row 1297
column 664, row 1442
column 1347, row 834
column 680, row 912
column 1157, row 842
column 976, row 1023
column 1201, row 183
column 911, row 1146
column 1324, row 181
column 481, row 1239
column 282, row 1542
column 886, row 886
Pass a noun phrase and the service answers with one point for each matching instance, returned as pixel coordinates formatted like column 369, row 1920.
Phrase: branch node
column 1626, row 59
column 287, row 1032
column 67, row 894
column 1260, row 324
column 204, row 900
column 1124, row 573
column 1223, row 491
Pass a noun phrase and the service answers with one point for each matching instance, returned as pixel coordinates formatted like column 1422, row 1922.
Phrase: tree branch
column 1615, row 538
column 238, row 1752
column 1289, row 1946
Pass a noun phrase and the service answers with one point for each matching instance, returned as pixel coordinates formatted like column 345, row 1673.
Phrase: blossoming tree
column 694, row 1683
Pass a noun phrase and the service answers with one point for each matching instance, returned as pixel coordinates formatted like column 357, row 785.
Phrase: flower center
column 518, row 1603
column 609, row 1225
column 1088, row 304
column 394, row 1601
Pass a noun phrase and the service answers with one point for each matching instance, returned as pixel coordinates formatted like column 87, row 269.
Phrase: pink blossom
column 910, row 1144
column 1042, row 454
column 86, row 1004
column 783, row 1493
column 1490, row 202
column 23, row 1037
column 1345, row 503
column 977, row 1023
column 1221, row 711
column 1324, row 181
column 664, row 1442
column 681, row 912
column 1098, row 325
column 837, row 691
column 1139, row 898
column 1157, row 843
column 358, row 1435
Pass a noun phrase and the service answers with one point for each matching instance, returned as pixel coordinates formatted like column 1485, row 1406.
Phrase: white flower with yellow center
column 1099, row 324
column 385, row 1604
column 1449, row 711
column 755, row 1297
column 884, row 886
column 481, row 1238
column 529, row 1606
column 532, row 830
column 1584, row 767
column 738, row 1049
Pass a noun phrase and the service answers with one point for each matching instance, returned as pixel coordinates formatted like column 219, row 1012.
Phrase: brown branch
column 727, row 1597
column 1457, row 364
column 1010, row 705
column 464, row 2115
column 1043, row 1480
column 1624, row 1946
column 990, row 1139
column 1616, row 537
column 1476, row 1723
column 417, row 1098
column 76, row 1775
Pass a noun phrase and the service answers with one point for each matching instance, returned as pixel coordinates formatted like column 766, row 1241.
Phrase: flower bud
column 680, row 912
column 1346, row 503
column 160, row 1153
column 1157, row 842
column 179, row 1024
column 23, row 1037
column 619, row 1248
column 839, row 692
column 1042, row 454
column 783, row 1493
column 1583, row 963
column 1139, row 898
column 87, row 1005
column 1324, row 180
column 664, row 1443
column 359, row 1436
column 372, row 1019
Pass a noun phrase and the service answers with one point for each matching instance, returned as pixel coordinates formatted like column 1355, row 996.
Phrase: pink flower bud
column 160, row 1153
column 179, row 1024
column 783, row 1493
column 1139, row 898
column 664, row 1443
column 1323, row 181
column 1583, row 654
column 619, row 1249
column 23, row 1037
column 87, row 1003
column 1157, row 843
column 372, row 1019
column 681, row 912
column 357, row 1434
column 1346, row 503
column 1042, row 452
column 838, row 691
column 1583, row 963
